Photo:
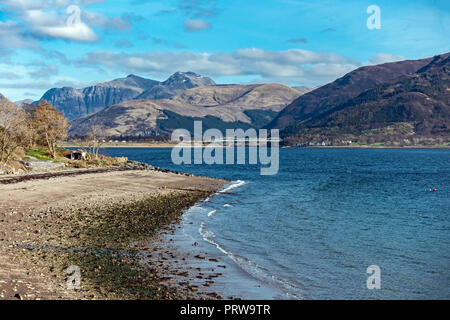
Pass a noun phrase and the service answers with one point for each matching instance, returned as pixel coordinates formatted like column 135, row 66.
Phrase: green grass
column 44, row 154
column 39, row 153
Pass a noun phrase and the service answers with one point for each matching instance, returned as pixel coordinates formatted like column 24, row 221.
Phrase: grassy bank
column 105, row 242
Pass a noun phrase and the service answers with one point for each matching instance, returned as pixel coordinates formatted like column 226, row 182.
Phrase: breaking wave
column 233, row 185
column 211, row 213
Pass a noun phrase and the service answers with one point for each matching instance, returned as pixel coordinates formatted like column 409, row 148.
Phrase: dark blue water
column 312, row 230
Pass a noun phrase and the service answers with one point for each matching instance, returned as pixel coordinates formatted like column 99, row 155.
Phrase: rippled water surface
column 312, row 230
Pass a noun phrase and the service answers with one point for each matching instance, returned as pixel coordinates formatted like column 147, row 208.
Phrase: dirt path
column 22, row 203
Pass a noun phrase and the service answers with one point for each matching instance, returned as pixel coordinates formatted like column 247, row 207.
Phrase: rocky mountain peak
column 130, row 82
column 188, row 80
column 175, row 84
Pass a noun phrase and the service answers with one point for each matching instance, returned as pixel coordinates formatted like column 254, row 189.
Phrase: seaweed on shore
column 106, row 238
column 119, row 224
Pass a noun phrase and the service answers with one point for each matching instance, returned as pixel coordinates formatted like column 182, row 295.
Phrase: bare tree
column 49, row 124
column 13, row 130
column 96, row 138
column 33, row 137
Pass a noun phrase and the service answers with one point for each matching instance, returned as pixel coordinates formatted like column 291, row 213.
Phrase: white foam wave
column 233, row 185
column 255, row 270
column 251, row 267
column 211, row 213
column 208, row 236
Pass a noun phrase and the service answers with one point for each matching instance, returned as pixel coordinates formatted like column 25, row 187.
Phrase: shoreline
column 169, row 146
column 368, row 147
column 46, row 229
column 213, row 269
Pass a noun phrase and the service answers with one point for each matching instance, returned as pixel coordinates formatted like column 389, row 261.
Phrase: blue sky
column 293, row 42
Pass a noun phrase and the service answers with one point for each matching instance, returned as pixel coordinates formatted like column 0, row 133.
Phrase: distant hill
column 349, row 86
column 79, row 102
column 413, row 104
column 218, row 106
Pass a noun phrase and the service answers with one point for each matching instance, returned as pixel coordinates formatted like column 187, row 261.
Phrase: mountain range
column 391, row 101
column 79, row 102
column 343, row 89
column 218, row 106
column 394, row 100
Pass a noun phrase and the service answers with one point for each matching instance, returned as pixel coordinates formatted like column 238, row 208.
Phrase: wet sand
column 33, row 224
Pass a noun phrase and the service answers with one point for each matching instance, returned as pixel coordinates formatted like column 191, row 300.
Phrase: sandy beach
column 50, row 223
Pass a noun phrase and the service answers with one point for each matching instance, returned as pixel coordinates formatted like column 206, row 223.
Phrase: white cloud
column 89, row 2
column 46, row 4
column 9, row 75
column 61, row 19
column 79, row 32
column 34, row 4
column 45, row 71
column 101, row 20
column 194, row 25
column 51, row 24
column 11, row 36
column 293, row 66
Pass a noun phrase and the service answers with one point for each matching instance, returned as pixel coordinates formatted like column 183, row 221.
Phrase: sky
column 77, row 43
